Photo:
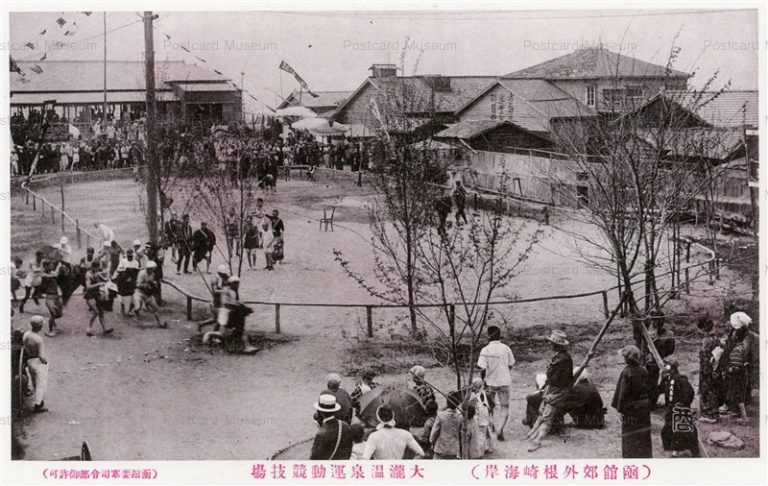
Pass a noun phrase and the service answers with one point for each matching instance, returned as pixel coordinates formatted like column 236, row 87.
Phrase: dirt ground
column 150, row 393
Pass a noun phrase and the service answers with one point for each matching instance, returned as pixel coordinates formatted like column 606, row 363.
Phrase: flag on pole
column 43, row 31
column 61, row 21
column 284, row 66
column 36, row 69
column 30, row 45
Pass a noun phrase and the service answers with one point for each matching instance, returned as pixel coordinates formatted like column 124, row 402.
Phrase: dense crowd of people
column 474, row 419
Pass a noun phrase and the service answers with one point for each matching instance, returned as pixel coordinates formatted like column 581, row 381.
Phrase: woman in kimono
column 710, row 381
column 631, row 400
column 679, row 432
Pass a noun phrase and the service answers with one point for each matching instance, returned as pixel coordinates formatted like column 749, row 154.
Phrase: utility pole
column 151, row 160
column 104, row 107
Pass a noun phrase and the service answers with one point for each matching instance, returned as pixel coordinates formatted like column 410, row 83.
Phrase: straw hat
column 558, row 337
column 327, row 403
column 739, row 320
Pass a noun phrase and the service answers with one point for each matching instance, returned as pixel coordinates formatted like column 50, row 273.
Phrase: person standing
column 232, row 227
column 106, row 233
column 738, row 350
column 185, row 245
column 460, row 197
column 37, row 361
column 251, row 243
column 333, row 441
column 444, row 436
column 362, row 387
column 200, row 245
column 171, row 231
column 144, row 295
column 333, row 381
column 65, row 251
column 420, row 385
column 495, row 363
column 679, row 432
column 95, row 280
column 632, row 400
column 274, row 251
column 556, row 387
column 483, row 406
column 709, row 373
column 388, row 442
column 33, row 280
column 50, row 288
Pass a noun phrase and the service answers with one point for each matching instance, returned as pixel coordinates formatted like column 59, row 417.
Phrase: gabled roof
column 594, row 63
column 701, row 142
column 462, row 89
column 727, row 109
column 65, row 76
column 711, row 108
column 325, row 99
column 546, row 99
column 469, row 129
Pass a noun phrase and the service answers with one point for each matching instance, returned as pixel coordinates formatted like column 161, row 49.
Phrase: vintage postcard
column 392, row 243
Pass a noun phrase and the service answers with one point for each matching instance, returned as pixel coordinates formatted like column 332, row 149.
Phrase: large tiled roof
column 63, row 76
column 592, row 63
column 469, row 129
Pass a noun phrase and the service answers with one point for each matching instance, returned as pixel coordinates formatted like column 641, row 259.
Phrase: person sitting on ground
column 583, row 403
column 420, row 385
column 444, row 436
column 333, row 440
column 362, row 387
column 556, row 388
column 389, row 442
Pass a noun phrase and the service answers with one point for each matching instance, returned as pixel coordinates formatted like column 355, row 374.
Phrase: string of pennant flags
column 71, row 27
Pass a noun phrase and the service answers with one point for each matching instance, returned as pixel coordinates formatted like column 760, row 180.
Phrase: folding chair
column 327, row 220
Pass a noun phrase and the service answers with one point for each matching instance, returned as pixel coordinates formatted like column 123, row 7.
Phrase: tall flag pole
column 104, row 108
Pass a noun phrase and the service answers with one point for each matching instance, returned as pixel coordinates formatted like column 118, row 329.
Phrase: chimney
column 383, row 70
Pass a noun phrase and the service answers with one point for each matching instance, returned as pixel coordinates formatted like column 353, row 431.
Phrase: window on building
column 613, row 97
column 591, row 94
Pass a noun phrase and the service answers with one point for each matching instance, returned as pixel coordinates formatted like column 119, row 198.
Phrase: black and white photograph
column 507, row 236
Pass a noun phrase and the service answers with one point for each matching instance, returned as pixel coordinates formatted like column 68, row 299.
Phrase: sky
column 333, row 50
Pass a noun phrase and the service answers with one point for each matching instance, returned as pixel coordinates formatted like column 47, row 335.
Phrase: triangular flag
column 185, row 49
column 61, row 21
column 87, row 14
column 30, row 45
column 14, row 67
column 45, row 56
column 200, row 59
column 36, row 69
column 43, row 31
column 218, row 72
column 167, row 36
column 69, row 33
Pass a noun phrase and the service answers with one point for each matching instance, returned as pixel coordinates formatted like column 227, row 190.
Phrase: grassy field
column 148, row 393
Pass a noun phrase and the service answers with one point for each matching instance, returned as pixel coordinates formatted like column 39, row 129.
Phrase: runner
column 95, row 280
column 144, row 296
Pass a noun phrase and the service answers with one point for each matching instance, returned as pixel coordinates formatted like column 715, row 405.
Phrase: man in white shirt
column 495, row 363
column 107, row 235
column 37, row 361
column 389, row 442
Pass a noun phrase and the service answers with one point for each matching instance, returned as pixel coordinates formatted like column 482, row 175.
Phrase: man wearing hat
column 420, row 385
column 37, row 361
column 556, row 388
column 333, row 440
column 495, row 363
column 333, row 382
column 388, row 442
column 138, row 253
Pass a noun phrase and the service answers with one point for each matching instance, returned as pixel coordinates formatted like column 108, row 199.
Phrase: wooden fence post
column 605, row 304
column 369, row 319
column 34, row 202
column 189, row 308
column 79, row 234
column 277, row 318
column 27, row 192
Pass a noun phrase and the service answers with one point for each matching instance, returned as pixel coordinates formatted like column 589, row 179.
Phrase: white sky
column 332, row 50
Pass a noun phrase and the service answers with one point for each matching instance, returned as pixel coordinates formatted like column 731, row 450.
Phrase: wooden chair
column 326, row 219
